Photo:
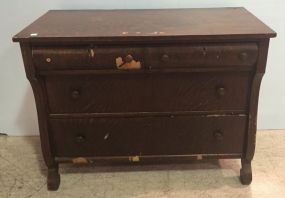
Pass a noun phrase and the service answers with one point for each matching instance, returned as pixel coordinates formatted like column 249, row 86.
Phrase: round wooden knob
column 165, row 58
column 221, row 91
column 129, row 58
column 75, row 94
column 48, row 60
column 243, row 56
column 218, row 135
column 80, row 138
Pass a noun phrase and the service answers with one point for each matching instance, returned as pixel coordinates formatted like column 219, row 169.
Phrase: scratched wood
column 160, row 56
column 135, row 25
column 148, row 92
column 195, row 93
column 177, row 135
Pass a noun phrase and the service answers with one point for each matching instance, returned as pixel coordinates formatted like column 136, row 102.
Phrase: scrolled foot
column 245, row 172
column 53, row 179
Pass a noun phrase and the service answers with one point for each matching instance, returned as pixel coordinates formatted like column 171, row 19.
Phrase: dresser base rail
column 53, row 179
column 146, row 158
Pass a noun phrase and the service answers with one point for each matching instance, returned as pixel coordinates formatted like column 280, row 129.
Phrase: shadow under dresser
column 146, row 85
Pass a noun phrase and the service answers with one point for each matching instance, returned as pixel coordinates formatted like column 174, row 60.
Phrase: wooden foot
column 53, row 179
column 245, row 172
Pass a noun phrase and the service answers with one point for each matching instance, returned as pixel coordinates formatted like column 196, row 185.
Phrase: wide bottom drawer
column 179, row 135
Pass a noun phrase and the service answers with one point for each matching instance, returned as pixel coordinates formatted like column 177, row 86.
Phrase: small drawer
column 148, row 92
column 50, row 58
column 180, row 135
column 218, row 55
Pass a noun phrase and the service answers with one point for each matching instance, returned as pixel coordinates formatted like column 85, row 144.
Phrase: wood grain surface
column 88, row 25
column 158, row 56
column 148, row 92
column 179, row 135
column 195, row 95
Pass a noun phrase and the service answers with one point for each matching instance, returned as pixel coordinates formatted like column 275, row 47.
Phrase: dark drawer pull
column 75, row 94
column 165, row 58
column 243, row 56
column 221, row 91
column 80, row 139
column 218, row 135
column 129, row 58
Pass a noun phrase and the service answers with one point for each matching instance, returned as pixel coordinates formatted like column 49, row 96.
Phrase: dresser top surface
column 124, row 25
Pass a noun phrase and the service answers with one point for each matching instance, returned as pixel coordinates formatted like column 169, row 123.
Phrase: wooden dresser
column 146, row 85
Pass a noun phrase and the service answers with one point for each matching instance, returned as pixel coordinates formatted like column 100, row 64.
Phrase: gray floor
column 23, row 174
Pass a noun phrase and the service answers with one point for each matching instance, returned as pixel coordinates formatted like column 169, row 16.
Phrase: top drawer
column 131, row 57
column 203, row 56
column 82, row 57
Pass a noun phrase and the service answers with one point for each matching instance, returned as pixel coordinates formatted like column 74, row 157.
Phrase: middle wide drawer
column 144, row 92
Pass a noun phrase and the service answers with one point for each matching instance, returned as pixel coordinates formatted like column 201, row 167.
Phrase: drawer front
column 172, row 56
column 203, row 56
column 154, row 92
column 179, row 135
column 50, row 58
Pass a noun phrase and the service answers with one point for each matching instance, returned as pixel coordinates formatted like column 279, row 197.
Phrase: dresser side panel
column 253, row 104
column 38, row 87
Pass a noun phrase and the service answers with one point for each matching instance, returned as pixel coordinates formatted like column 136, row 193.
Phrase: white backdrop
column 17, row 106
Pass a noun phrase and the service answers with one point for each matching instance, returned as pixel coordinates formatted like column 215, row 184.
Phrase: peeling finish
column 127, row 66
column 34, row 34
column 214, row 115
column 134, row 158
column 80, row 160
column 92, row 53
column 199, row 157
column 156, row 33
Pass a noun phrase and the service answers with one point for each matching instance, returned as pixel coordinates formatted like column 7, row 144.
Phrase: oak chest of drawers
column 146, row 85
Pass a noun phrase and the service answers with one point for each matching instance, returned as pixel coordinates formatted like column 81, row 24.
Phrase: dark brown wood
column 151, row 159
column 173, row 135
column 42, row 110
column 188, row 89
column 185, row 56
column 245, row 172
column 106, row 25
column 252, row 126
column 41, row 103
column 146, row 114
column 53, row 179
column 178, row 56
column 138, row 93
